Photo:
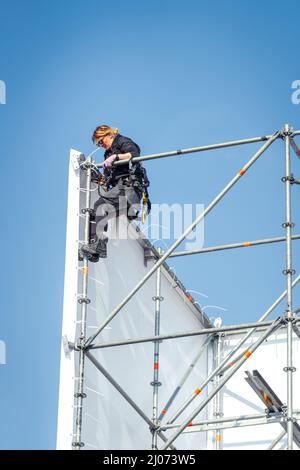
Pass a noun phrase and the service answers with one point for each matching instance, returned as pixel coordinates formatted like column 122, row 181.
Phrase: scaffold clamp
column 80, row 395
column 289, row 369
column 158, row 297
column 155, row 382
column 77, row 444
column 288, row 224
column 286, row 132
column 290, row 178
column 289, row 271
column 87, row 209
column 84, row 300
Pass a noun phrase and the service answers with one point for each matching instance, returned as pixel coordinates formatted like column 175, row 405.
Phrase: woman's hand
column 108, row 163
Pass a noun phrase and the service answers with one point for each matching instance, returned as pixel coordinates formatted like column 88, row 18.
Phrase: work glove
column 108, row 163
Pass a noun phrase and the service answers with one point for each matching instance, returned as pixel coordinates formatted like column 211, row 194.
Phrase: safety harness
column 137, row 178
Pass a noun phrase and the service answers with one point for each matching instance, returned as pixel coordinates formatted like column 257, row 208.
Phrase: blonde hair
column 102, row 131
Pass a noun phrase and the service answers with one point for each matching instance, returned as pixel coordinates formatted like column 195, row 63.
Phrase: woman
column 124, row 190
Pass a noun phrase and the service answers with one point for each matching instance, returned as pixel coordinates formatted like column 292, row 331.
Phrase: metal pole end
column 287, row 131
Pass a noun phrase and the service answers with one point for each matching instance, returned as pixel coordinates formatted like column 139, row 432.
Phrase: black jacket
column 122, row 144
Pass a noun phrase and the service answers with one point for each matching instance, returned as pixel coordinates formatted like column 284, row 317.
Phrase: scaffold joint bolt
column 84, row 300
column 79, row 345
column 153, row 428
column 289, row 369
column 77, row 444
column 286, row 132
column 80, row 395
column 87, row 209
column 289, row 271
column 158, row 384
column 290, row 178
column 288, row 224
column 287, row 318
column 158, row 297
column 292, row 420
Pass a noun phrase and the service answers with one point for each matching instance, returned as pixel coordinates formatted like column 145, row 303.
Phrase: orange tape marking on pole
column 85, row 270
column 242, row 172
column 197, row 391
column 247, row 354
column 190, row 423
column 267, row 399
column 247, row 244
column 218, row 437
column 155, row 365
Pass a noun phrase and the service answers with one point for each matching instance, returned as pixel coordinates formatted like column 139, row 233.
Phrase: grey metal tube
column 205, row 331
column 184, row 235
column 231, row 425
column 251, row 420
column 156, row 384
column 289, row 274
column 275, row 442
column 221, row 420
column 203, row 148
column 250, row 351
column 224, row 363
column 217, row 404
column 123, row 393
column 232, row 246
column 80, row 385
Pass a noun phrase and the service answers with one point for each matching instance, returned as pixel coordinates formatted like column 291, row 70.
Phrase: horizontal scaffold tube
column 184, row 334
column 203, row 148
column 231, row 246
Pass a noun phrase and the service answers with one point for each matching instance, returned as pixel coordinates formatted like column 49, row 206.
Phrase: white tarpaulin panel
column 109, row 422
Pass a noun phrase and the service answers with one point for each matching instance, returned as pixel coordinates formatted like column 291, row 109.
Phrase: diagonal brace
column 124, row 395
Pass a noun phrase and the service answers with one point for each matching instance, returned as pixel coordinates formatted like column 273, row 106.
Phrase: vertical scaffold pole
column 156, row 384
column 218, row 399
column 84, row 301
column 289, row 369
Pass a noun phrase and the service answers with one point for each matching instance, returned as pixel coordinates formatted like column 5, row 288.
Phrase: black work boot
column 95, row 249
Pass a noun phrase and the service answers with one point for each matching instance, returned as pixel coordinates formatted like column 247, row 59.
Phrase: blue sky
column 170, row 75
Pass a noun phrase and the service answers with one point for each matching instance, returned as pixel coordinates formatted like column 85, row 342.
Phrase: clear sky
column 169, row 74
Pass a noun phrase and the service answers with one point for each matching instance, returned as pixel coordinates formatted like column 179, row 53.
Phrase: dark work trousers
column 120, row 199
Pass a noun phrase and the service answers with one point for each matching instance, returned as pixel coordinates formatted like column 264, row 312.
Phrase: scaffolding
column 224, row 367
